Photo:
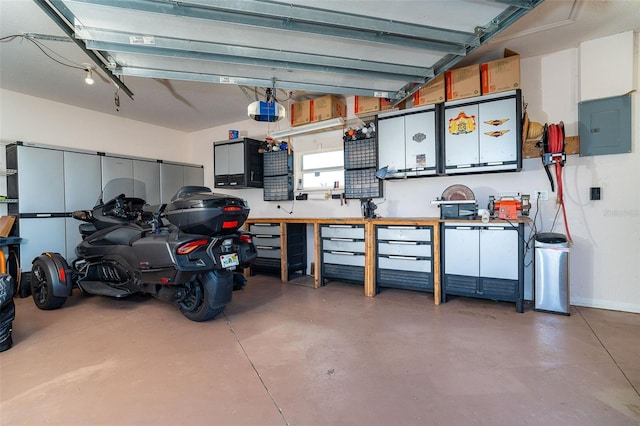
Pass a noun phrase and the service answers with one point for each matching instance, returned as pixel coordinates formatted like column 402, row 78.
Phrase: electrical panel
column 604, row 126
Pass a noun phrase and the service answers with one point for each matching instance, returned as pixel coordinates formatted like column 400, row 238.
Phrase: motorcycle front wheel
column 42, row 287
column 205, row 297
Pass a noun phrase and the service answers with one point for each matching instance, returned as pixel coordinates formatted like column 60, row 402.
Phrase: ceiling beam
column 110, row 41
column 522, row 4
column 258, row 82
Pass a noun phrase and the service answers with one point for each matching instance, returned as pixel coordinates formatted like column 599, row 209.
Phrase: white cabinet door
column 498, row 129
column 146, row 176
column 82, row 180
column 117, row 177
column 171, row 180
column 220, row 159
column 461, row 136
column 499, row 252
column 391, row 146
column 40, row 235
column 420, row 142
column 461, row 251
column 40, row 180
column 193, row 176
column 236, row 158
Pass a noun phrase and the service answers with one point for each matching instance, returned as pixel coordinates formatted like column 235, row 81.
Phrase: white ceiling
column 191, row 106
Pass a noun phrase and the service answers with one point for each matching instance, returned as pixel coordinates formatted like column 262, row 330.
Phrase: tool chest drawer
column 343, row 244
column 344, row 258
column 260, row 240
column 265, row 229
column 342, row 231
column 404, row 257
column 404, row 248
column 405, row 233
column 405, row 263
column 343, row 253
column 268, row 251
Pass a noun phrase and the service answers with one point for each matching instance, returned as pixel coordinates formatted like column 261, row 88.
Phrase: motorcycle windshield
column 129, row 187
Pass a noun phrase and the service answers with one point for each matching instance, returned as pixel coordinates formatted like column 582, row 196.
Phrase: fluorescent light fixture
column 310, row 128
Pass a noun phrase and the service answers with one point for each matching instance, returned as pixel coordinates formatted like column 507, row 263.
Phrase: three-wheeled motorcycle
column 189, row 252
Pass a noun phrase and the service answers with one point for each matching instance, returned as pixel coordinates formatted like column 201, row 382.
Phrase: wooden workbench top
column 384, row 220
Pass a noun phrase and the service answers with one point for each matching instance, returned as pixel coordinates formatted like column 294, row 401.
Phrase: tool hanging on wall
column 552, row 147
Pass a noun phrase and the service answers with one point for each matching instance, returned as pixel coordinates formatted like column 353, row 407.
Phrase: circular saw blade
column 457, row 193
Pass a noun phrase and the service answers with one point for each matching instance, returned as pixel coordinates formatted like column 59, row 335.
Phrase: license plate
column 228, row 260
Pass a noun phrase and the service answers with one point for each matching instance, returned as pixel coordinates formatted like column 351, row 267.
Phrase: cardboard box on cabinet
column 463, row 82
column 367, row 104
column 327, row 107
column 501, row 75
column 301, row 113
column 432, row 93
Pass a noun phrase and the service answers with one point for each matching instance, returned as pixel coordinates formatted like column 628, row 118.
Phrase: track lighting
column 89, row 78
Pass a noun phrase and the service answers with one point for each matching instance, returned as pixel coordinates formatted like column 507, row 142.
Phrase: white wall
column 35, row 120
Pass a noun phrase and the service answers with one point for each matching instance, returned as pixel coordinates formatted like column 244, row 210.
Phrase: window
column 323, row 170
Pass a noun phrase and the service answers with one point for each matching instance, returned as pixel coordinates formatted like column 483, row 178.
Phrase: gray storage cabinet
column 51, row 183
column 404, row 257
column 483, row 261
column 343, row 253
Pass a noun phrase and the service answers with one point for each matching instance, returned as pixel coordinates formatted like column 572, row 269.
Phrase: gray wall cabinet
column 483, row 134
column 408, row 142
column 238, row 163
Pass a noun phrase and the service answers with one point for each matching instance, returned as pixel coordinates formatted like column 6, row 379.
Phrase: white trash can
column 551, row 273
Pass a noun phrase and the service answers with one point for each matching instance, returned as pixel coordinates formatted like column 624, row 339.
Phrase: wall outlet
column 541, row 194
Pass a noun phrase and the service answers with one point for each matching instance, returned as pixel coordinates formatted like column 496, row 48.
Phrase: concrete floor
column 287, row 354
